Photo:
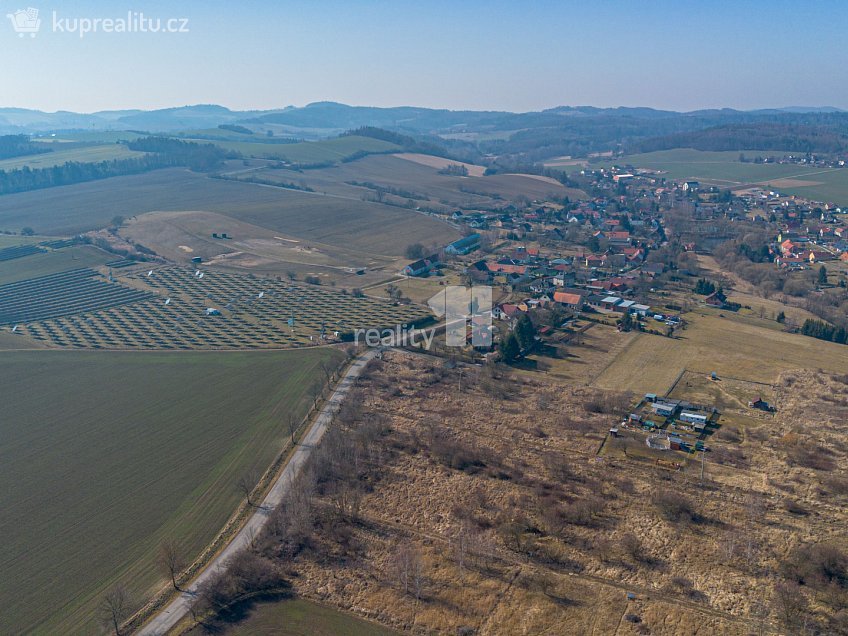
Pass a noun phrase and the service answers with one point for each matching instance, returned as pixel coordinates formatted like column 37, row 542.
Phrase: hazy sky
column 480, row 55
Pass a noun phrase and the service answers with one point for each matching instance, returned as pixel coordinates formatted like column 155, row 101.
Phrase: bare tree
column 245, row 484
column 116, row 607
column 789, row 604
column 329, row 372
column 461, row 543
column 409, row 570
column 171, row 561
column 292, row 422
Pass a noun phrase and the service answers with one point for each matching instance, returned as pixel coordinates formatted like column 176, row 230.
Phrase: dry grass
column 556, row 537
column 730, row 346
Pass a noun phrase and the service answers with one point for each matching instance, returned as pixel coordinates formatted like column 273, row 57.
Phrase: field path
column 179, row 607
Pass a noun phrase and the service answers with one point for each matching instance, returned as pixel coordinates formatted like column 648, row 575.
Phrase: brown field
column 729, row 346
column 180, row 236
column 440, row 162
column 790, row 183
column 495, row 492
column 353, row 224
column 744, row 293
column 418, row 181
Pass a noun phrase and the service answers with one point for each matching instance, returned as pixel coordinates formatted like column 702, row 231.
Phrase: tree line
column 162, row 153
column 19, row 146
column 823, row 331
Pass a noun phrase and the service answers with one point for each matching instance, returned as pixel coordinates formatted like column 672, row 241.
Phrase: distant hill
column 531, row 136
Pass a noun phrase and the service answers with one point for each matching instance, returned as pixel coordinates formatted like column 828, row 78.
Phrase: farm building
column 663, row 409
column 573, row 301
column 465, row 245
column 610, row 302
column 422, row 266
column 693, row 418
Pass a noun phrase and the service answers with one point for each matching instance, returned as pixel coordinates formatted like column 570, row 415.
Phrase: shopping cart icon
column 25, row 21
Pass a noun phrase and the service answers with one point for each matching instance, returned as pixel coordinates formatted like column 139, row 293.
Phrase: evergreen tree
column 525, row 332
column 509, row 347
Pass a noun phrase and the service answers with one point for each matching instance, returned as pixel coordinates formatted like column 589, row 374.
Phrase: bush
column 816, row 566
column 674, row 506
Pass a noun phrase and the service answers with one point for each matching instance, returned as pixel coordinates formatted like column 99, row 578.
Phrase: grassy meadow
column 81, row 154
column 52, row 262
column 298, row 617
column 106, row 454
column 732, row 345
column 724, row 169
column 336, row 149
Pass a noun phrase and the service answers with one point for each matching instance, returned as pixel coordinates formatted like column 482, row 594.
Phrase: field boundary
column 234, row 523
column 165, row 611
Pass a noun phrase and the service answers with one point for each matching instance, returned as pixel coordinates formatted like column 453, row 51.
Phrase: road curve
column 166, row 619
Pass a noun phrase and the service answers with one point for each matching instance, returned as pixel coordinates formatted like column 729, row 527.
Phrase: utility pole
column 703, row 460
column 460, row 379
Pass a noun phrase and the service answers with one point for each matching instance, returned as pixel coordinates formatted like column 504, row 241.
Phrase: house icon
column 25, row 21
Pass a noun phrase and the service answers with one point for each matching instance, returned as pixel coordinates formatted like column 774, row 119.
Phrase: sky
column 494, row 55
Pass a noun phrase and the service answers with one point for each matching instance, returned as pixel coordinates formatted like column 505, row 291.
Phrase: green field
column 724, row 169
column 11, row 240
column 82, row 154
column 310, row 151
column 106, row 454
column 297, row 617
column 354, row 224
column 95, row 136
column 52, row 262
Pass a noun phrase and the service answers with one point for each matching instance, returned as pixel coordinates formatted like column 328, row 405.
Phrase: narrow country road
column 179, row 607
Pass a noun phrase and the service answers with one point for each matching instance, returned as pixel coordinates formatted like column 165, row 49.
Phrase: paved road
column 179, row 607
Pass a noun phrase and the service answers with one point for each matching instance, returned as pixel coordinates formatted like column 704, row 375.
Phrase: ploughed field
column 107, row 454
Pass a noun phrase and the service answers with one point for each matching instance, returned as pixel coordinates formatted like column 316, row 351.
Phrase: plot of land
column 441, row 162
column 728, row 346
column 52, row 262
column 328, row 150
column 179, row 236
column 358, row 225
column 725, row 170
column 298, row 617
column 82, row 154
column 106, row 454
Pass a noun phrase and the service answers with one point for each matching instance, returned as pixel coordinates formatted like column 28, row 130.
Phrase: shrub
column 674, row 506
column 816, row 566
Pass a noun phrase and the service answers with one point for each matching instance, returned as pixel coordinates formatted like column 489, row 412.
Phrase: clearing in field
column 107, row 454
